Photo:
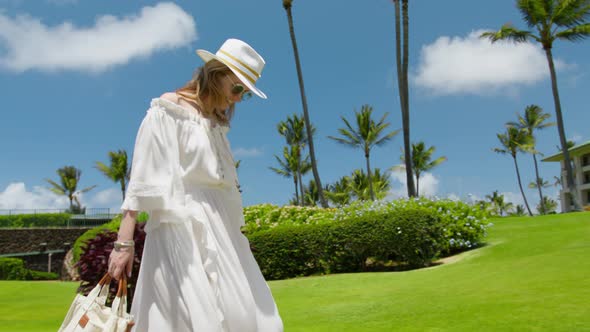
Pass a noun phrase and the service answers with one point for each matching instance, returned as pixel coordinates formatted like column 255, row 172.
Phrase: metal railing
column 10, row 212
column 92, row 216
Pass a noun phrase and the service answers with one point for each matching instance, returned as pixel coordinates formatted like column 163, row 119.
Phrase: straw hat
column 243, row 61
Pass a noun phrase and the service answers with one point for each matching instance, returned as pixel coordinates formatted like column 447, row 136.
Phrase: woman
column 197, row 271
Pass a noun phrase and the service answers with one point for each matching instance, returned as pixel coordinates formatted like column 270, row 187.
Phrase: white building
column 580, row 157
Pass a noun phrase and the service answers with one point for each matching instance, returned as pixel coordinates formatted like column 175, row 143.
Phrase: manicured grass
column 34, row 306
column 533, row 276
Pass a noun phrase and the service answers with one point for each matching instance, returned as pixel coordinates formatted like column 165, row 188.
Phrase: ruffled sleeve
column 155, row 180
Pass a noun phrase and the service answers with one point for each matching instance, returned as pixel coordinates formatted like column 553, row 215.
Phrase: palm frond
column 510, row 33
column 87, row 189
column 534, row 12
column 570, row 13
column 575, row 34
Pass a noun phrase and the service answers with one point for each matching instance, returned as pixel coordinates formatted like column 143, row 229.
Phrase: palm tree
column 311, row 194
column 402, row 84
column 339, row 192
column 69, row 178
column 534, row 119
column 289, row 166
column 549, row 206
column 118, row 170
column 497, row 201
column 359, row 184
column 512, row 141
column 518, row 211
column 553, row 20
column 287, row 5
column 293, row 129
column 421, row 161
column 366, row 135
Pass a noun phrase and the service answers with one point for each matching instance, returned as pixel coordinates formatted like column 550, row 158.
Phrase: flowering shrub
column 464, row 225
column 266, row 216
column 411, row 239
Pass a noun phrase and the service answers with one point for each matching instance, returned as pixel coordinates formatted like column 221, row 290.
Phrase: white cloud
column 428, row 184
column 28, row 44
column 456, row 65
column 245, row 153
column 16, row 196
column 512, row 197
column 108, row 198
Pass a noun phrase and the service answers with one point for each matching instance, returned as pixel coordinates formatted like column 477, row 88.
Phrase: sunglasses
column 238, row 89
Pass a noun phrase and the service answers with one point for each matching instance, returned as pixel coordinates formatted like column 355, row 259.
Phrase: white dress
column 197, row 271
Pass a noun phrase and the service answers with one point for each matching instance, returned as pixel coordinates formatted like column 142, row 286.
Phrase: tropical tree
column 69, row 178
column 539, row 183
column 548, row 206
column 339, row 192
column 498, row 203
column 311, row 194
column 421, row 161
column 289, row 167
column 293, row 130
column 534, row 119
column 553, row 20
column 518, row 211
column 365, row 136
column 402, row 84
column 512, row 141
column 118, row 169
column 287, row 4
column 359, row 184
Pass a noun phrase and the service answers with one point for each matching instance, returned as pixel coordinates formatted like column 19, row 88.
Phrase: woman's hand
column 121, row 261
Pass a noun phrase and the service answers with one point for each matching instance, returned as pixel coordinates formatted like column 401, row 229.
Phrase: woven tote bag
column 91, row 314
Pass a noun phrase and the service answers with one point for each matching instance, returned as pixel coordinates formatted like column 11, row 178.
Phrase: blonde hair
column 205, row 89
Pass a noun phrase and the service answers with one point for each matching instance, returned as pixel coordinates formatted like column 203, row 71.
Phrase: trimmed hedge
column 35, row 220
column 299, row 241
column 412, row 238
column 14, row 269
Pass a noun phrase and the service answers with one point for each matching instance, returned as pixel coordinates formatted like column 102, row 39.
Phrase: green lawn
column 533, row 276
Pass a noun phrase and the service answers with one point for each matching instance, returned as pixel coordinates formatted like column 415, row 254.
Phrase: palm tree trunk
column 71, row 197
column 316, row 174
column 566, row 155
column 526, row 203
column 539, row 184
column 369, row 177
column 123, row 185
column 417, row 185
column 402, row 73
column 296, row 188
column 301, row 190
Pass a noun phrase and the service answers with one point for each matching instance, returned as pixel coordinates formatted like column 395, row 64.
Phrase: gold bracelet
column 118, row 245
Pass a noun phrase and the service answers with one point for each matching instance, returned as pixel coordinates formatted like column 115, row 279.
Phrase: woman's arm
column 121, row 260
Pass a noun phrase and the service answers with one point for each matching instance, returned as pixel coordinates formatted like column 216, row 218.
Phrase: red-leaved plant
column 93, row 263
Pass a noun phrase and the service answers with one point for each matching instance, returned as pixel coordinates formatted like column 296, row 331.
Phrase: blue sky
column 76, row 78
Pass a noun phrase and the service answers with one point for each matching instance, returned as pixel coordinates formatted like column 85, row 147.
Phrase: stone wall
column 21, row 240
